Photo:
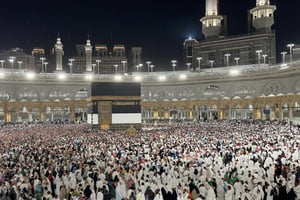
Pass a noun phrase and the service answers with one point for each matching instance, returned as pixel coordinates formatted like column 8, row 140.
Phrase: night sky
column 159, row 26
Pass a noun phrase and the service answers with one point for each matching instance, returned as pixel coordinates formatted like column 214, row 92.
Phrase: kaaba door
column 104, row 114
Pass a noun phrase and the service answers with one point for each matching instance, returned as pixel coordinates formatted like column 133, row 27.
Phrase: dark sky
column 159, row 26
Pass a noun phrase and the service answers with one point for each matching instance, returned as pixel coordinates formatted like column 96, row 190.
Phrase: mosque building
column 238, row 78
column 218, row 49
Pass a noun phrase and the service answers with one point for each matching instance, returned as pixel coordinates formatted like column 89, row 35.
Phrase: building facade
column 39, row 55
column 101, row 60
column 16, row 58
column 218, row 50
column 266, row 93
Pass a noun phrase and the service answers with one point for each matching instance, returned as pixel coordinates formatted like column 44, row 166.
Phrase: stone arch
column 61, row 113
column 213, row 92
column 185, row 94
column 13, row 115
column 56, row 94
column 23, row 115
column 214, row 112
column 274, row 87
column 242, row 91
column 35, row 113
column 237, row 112
column 28, row 94
column 80, row 113
column 161, row 95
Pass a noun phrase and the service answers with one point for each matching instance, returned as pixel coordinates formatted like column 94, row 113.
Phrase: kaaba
column 114, row 105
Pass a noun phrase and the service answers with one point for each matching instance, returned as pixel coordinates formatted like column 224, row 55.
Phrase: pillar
column 72, row 115
column 291, row 113
column 17, row 114
column 191, row 114
column 280, row 113
column 166, row 114
column 7, row 117
column 271, row 114
column 42, row 117
column 155, row 114
column 30, row 116
column 257, row 114
column 162, row 114
column 221, row 114
column 264, row 116
column 83, row 116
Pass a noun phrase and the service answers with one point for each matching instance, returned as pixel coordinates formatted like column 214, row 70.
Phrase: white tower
column 211, row 23
column 263, row 15
column 88, row 56
column 136, row 53
column 59, row 53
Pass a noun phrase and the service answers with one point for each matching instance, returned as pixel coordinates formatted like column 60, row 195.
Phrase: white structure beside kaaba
column 114, row 105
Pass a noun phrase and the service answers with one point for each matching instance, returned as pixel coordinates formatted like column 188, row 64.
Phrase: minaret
column 263, row 16
column 211, row 23
column 59, row 53
column 88, row 55
column 136, row 53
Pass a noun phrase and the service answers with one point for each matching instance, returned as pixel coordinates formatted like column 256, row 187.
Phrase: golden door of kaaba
column 104, row 114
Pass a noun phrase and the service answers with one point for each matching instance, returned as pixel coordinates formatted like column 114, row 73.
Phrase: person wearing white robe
column 257, row 194
column 93, row 195
column 183, row 195
column 140, row 195
column 58, row 183
column 297, row 191
column 238, row 190
column 99, row 195
column 210, row 194
column 229, row 193
column 120, row 190
column 246, row 195
column 158, row 195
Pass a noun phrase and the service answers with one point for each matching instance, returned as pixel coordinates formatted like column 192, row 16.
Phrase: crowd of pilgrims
column 179, row 161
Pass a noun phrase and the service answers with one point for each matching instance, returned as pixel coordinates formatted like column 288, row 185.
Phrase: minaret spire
column 211, row 23
column 88, row 55
column 263, row 15
column 59, row 53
